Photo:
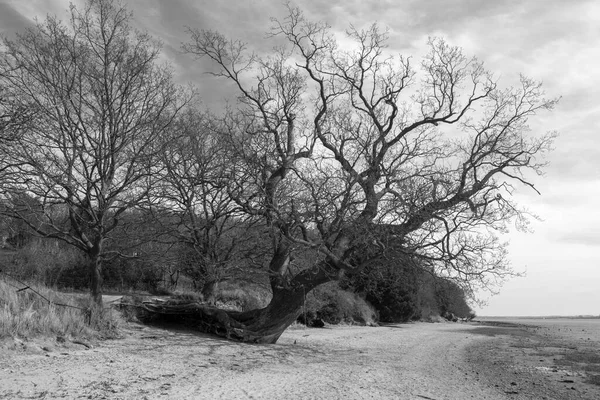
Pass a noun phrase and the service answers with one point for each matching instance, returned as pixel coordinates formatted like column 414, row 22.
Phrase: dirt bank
column 414, row 361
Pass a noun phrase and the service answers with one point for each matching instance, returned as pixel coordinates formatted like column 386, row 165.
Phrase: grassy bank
column 39, row 311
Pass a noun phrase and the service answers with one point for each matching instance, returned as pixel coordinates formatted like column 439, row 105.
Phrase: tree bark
column 209, row 291
column 95, row 268
column 256, row 326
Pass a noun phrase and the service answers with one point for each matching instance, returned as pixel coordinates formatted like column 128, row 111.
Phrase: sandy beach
column 409, row 361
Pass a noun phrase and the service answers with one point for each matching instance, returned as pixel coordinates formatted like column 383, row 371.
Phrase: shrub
column 233, row 295
column 334, row 305
column 133, row 274
column 402, row 290
column 394, row 304
column 50, row 263
column 452, row 299
column 390, row 288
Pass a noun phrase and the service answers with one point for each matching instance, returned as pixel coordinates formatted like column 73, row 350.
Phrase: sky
column 552, row 41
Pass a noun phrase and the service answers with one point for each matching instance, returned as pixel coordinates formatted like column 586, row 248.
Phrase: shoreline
column 528, row 358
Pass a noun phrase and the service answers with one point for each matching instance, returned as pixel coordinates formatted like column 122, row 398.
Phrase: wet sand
column 535, row 358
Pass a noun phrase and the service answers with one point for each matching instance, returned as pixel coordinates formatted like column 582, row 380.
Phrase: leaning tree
column 356, row 154
column 96, row 101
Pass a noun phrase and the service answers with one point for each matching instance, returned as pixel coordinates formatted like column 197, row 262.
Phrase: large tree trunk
column 96, row 281
column 256, row 326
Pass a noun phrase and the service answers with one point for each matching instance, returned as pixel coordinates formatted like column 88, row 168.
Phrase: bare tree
column 12, row 121
column 214, row 239
column 358, row 154
column 97, row 101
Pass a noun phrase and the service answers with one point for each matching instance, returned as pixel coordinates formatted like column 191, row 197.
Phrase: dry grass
column 25, row 314
column 232, row 295
column 242, row 296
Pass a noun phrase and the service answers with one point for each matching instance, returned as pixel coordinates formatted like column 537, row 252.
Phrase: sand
column 410, row 361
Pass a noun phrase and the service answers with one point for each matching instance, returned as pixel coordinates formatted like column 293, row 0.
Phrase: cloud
column 582, row 236
column 11, row 20
column 29, row 10
column 569, row 213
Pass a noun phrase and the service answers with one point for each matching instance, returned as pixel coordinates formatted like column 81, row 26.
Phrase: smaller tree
column 193, row 204
column 96, row 101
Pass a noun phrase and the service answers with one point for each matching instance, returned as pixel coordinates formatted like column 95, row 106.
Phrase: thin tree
column 213, row 238
column 357, row 154
column 98, row 100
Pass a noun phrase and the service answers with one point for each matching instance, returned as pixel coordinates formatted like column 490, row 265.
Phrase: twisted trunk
column 256, row 326
column 263, row 325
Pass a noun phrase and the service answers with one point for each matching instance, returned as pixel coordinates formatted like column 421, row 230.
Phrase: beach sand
column 409, row 361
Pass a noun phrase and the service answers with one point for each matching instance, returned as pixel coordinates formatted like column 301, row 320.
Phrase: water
column 579, row 329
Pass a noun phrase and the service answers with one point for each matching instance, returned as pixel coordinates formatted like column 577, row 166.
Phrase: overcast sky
column 554, row 41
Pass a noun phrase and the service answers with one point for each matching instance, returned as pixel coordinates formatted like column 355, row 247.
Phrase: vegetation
column 402, row 291
column 328, row 303
column 335, row 162
column 94, row 102
column 39, row 311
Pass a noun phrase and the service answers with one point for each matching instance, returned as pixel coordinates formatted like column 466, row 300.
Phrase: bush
column 426, row 300
column 390, row 288
column 50, row 263
column 133, row 274
column 333, row 305
column 452, row 299
column 53, row 263
column 394, row 304
column 402, row 290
